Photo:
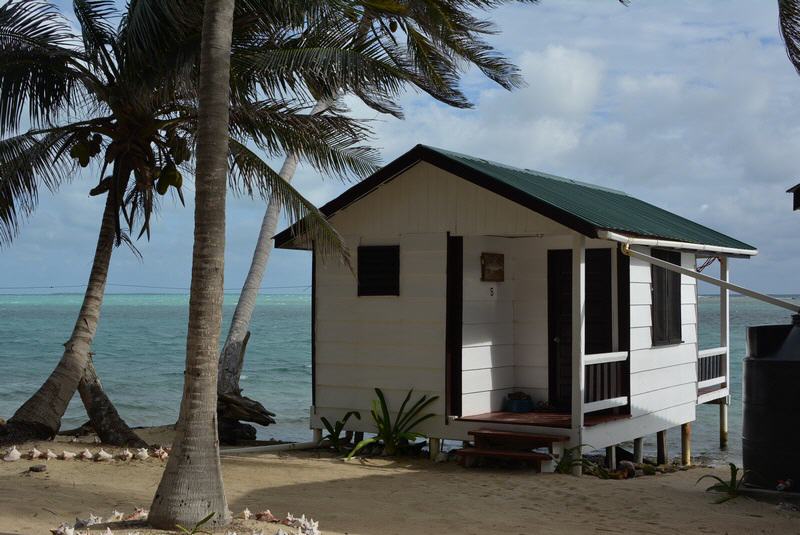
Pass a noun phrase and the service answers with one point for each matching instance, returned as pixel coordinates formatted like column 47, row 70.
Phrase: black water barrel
column 771, row 396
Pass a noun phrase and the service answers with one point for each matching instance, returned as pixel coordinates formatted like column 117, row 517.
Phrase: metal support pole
column 638, row 450
column 686, row 444
column 661, row 447
column 723, row 424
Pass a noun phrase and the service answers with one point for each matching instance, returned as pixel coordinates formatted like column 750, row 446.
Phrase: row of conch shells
column 141, row 454
column 81, row 524
column 303, row 525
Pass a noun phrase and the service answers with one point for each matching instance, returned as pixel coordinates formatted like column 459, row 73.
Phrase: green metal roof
column 600, row 207
column 583, row 207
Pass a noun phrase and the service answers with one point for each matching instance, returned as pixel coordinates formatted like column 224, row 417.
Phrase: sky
column 691, row 105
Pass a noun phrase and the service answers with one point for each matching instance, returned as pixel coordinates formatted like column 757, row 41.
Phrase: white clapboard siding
column 483, row 402
column 427, row 199
column 663, row 398
column 488, row 379
column 483, row 357
column 612, row 433
column 352, row 352
column 393, row 377
column 662, row 357
column 535, row 377
column 361, row 397
column 658, row 378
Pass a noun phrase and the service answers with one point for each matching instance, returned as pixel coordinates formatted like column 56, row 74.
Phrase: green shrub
column 334, row 435
column 730, row 488
column 393, row 435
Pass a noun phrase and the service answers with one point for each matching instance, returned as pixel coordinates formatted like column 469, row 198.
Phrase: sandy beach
column 389, row 496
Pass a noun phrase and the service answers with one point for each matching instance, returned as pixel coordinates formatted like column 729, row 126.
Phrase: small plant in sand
column 334, row 436
column 197, row 529
column 395, row 435
column 572, row 458
column 731, row 488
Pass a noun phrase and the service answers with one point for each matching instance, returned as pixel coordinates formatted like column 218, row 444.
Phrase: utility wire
column 144, row 286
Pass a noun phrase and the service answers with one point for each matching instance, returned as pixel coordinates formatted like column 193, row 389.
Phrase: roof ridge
column 527, row 171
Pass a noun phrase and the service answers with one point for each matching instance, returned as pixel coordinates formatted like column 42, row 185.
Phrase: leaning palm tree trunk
column 191, row 486
column 232, row 355
column 40, row 416
column 103, row 416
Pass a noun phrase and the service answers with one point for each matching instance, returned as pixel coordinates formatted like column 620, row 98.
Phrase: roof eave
column 671, row 244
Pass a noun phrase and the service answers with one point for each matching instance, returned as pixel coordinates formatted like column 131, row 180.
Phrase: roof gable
column 583, row 207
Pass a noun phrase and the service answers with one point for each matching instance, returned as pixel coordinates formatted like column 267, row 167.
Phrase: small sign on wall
column 492, row 267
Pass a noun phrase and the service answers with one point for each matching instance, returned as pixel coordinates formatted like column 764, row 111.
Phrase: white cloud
column 690, row 105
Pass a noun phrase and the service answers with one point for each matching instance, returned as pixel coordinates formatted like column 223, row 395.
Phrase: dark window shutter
column 666, row 306
column 379, row 270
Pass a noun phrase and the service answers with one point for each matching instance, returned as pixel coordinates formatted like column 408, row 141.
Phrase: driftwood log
column 232, row 409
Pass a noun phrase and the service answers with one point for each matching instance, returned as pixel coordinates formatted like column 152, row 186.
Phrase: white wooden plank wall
column 662, row 377
column 394, row 343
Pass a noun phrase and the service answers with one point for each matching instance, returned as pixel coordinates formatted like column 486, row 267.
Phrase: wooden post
column 638, row 450
column 724, row 341
column 435, row 445
column 358, row 436
column 317, row 435
column 723, row 423
column 661, row 447
column 611, row 457
column 686, row 444
column 578, row 330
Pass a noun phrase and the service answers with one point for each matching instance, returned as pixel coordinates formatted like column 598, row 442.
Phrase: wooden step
column 495, row 433
column 504, row 454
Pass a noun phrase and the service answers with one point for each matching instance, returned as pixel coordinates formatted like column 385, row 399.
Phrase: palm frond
column 27, row 162
column 250, row 173
column 329, row 141
column 789, row 15
column 37, row 66
column 98, row 34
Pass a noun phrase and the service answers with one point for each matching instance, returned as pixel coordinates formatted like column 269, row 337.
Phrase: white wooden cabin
column 605, row 345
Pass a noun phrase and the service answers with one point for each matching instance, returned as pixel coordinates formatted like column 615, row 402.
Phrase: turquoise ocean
column 140, row 351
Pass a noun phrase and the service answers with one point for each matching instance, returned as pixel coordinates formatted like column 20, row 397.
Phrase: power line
column 145, row 286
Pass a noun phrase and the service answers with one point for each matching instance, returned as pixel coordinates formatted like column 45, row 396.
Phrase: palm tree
column 106, row 99
column 441, row 37
column 191, row 486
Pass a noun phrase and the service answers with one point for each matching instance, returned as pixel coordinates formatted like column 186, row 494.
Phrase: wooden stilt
column 661, row 447
column 317, row 435
column 358, row 436
column 435, row 445
column 686, row 444
column 723, row 424
column 638, row 450
column 611, row 457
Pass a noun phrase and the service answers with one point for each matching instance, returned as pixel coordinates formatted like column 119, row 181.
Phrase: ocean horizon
column 140, row 351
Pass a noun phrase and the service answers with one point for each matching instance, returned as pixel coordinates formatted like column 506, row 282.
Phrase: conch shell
column 103, row 455
column 34, row 454
column 161, row 453
column 116, row 516
column 63, row 529
column 142, row 454
column 67, row 455
column 12, row 455
column 137, row 514
column 86, row 454
column 50, row 455
column 246, row 514
column 125, row 455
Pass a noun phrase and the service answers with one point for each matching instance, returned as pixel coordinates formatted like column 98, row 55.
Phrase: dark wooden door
column 559, row 327
column 453, row 323
column 598, row 326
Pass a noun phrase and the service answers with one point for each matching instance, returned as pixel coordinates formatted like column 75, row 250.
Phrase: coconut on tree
column 119, row 103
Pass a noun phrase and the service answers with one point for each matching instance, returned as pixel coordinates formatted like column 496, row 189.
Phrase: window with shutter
column 379, row 270
column 666, row 307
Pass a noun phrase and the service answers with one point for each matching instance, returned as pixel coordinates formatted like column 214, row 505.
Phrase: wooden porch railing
column 712, row 367
column 606, row 381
